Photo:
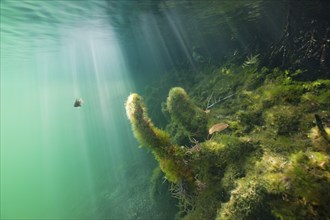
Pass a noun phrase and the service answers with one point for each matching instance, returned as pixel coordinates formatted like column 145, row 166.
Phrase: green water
column 57, row 161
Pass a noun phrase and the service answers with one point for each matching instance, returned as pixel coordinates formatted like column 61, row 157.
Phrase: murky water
column 58, row 161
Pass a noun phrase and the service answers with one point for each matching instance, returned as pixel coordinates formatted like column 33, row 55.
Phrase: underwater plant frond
column 251, row 60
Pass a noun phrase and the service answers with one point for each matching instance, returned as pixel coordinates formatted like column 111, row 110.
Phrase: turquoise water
column 57, row 161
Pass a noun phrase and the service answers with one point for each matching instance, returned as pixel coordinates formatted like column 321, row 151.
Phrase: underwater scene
column 165, row 109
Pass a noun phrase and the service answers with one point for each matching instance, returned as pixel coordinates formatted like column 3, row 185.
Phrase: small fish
column 78, row 102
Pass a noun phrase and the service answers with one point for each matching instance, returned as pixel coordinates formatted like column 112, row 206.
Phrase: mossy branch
column 184, row 112
column 144, row 130
column 158, row 141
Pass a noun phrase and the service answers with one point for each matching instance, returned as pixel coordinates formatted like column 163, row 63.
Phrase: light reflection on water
column 34, row 23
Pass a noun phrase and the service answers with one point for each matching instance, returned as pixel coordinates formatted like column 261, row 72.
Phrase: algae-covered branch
column 270, row 161
column 246, row 126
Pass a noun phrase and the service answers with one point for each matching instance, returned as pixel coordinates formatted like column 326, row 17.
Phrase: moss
column 307, row 180
column 313, row 101
column 219, row 153
column 317, row 85
column 270, row 170
column 283, row 119
column 248, row 201
column 288, row 93
column 276, row 93
column 143, row 129
column 228, row 182
column 157, row 140
column 306, row 170
column 318, row 140
column 185, row 113
column 250, row 119
column 271, row 163
column 255, row 79
column 324, row 98
column 170, row 169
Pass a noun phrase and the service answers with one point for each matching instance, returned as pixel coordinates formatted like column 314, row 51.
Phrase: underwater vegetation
column 260, row 152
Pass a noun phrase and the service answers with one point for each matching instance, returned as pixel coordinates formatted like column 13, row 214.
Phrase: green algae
column 270, row 163
column 186, row 114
